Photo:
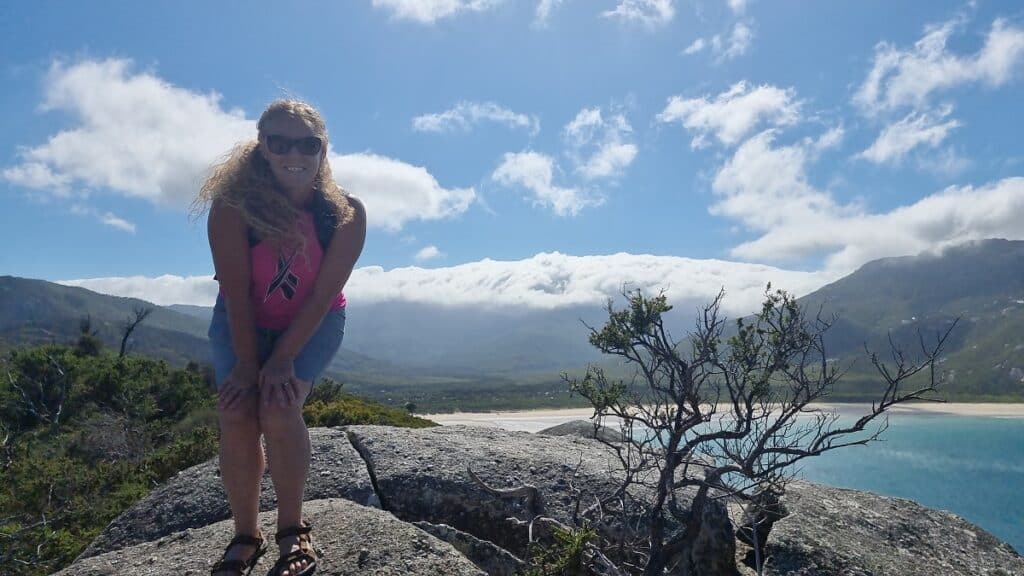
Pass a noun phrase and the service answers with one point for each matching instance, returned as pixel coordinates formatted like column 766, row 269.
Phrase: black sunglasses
column 307, row 146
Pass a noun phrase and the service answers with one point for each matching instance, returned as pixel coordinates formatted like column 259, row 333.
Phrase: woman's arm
column 335, row 269
column 229, row 244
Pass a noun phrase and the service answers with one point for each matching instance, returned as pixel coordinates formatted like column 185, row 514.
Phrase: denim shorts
column 309, row 364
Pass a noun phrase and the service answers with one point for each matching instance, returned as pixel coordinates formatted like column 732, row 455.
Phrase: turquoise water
column 971, row 466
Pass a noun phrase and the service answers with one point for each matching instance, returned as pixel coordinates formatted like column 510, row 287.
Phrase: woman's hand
column 241, row 382
column 277, row 381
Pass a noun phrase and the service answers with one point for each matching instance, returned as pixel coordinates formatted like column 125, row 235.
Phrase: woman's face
column 294, row 154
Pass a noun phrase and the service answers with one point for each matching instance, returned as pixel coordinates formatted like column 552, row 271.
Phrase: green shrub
column 195, row 447
column 89, row 434
column 564, row 556
column 346, row 409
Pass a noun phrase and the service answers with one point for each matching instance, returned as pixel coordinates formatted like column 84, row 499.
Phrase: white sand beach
column 526, row 420
column 536, row 420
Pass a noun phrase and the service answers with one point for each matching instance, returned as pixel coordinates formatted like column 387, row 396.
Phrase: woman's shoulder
column 224, row 213
column 339, row 210
column 358, row 210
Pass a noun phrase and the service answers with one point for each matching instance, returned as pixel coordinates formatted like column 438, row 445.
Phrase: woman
column 284, row 239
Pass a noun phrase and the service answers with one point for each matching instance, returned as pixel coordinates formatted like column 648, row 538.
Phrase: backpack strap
column 325, row 219
column 325, row 222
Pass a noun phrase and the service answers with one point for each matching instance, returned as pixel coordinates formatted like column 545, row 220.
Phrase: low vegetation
column 85, row 433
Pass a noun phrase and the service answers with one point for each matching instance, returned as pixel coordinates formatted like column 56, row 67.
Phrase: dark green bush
column 86, row 434
column 562, row 557
column 346, row 409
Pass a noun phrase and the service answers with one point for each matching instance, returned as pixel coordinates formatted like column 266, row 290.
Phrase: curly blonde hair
column 245, row 182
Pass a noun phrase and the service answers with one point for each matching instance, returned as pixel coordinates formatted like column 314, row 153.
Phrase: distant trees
column 88, row 343
column 714, row 419
column 140, row 314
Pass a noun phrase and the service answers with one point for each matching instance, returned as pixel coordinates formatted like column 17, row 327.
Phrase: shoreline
column 539, row 419
column 980, row 409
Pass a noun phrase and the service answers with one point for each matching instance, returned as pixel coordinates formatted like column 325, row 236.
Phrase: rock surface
column 195, row 497
column 838, row 531
column 422, row 476
column 583, row 429
column 489, row 557
column 352, row 539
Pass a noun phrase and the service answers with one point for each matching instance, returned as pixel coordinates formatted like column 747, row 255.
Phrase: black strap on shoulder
column 325, row 219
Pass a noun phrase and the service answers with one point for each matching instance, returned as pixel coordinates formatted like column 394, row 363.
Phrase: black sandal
column 305, row 551
column 241, row 567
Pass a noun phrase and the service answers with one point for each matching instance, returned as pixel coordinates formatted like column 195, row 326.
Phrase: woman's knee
column 242, row 415
column 276, row 419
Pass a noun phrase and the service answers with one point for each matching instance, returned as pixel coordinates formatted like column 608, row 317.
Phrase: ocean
column 971, row 466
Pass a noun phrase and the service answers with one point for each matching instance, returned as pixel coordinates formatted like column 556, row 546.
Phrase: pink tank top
column 281, row 282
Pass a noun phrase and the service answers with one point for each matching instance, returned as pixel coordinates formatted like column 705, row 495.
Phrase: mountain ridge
column 404, row 344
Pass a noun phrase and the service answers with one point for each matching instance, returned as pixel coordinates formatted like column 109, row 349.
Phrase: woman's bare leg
column 288, row 450
column 241, row 467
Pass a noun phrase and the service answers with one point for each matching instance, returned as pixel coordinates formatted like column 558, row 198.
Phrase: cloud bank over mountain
column 545, row 281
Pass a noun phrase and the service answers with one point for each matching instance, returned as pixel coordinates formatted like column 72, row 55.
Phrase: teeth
column 293, row 169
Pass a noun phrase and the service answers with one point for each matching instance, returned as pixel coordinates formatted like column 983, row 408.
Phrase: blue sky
column 527, row 152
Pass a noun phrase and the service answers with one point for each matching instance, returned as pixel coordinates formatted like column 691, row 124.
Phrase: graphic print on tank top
column 284, row 280
column 283, row 277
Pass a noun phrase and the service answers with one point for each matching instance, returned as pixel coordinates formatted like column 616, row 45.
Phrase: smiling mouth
column 294, row 169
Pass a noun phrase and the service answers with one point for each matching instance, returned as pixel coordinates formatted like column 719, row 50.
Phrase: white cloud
column 544, row 8
column 937, row 221
column 725, row 48
column 599, row 147
column 465, row 115
column 395, row 192
column 915, row 130
column 945, row 163
column 162, row 290
column 830, row 139
column 117, row 222
column 106, row 218
column 646, row 12
column 738, row 6
column 136, row 135
column 697, row 46
column 908, row 77
column 37, row 175
column 733, row 114
column 430, row 11
column 765, row 188
column 738, row 43
column 428, row 253
column 535, row 172
column 133, row 133
column 609, row 161
column 544, row 281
